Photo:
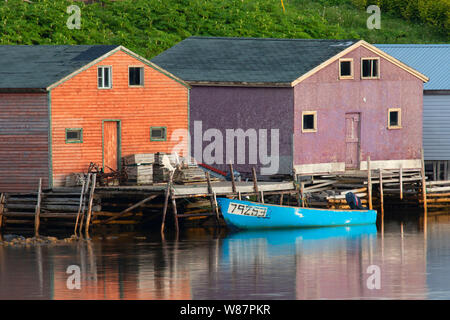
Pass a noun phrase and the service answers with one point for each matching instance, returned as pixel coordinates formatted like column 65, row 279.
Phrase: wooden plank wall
column 78, row 103
column 23, row 141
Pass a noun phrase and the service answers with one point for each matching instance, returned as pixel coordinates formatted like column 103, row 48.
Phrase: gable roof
column 39, row 66
column 43, row 67
column 257, row 61
column 430, row 59
column 247, row 60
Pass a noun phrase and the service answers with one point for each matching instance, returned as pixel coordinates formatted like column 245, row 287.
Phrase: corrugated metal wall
column 78, row 103
column 436, row 127
column 23, row 141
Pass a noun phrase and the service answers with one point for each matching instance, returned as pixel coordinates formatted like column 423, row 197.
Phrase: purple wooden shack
column 298, row 105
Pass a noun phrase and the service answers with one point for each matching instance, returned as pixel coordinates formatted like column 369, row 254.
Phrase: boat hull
column 252, row 215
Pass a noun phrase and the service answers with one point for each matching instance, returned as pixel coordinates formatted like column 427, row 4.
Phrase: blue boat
column 253, row 215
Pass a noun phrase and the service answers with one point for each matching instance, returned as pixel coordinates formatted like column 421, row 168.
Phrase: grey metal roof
column 252, row 60
column 432, row 60
column 39, row 66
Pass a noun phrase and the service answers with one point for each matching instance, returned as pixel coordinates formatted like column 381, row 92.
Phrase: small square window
column 346, row 69
column 74, row 135
column 104, row 78
column 309, row 121
column 370, row 68
column 158, row 134
column 136, row 76
column 394, row 118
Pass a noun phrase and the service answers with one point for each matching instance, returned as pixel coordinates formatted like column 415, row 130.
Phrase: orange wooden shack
column 63, row 107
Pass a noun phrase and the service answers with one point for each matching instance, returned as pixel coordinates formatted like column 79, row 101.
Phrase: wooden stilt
column 301, row 195
column 89, row 212
column 233, row 181
column 281, row 199
column 424, row 187
column 381, row 193
column 2, row 208
column 262, row 196
column 175, row 212
column 80, row 207
column 239, row 195
column 86, row 188
column 212, row 199
column 38, row 210
column 401, row 183
column 369, row 183
column 166, row 202
column 255, row 184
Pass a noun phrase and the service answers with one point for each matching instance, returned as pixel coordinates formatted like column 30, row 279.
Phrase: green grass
column 149, row 27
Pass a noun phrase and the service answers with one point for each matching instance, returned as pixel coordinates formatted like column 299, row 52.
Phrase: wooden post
column 174, row 207
column 38, row 210
column 2, row 208
column 255, row 184
column 91, row 199
column 79, row 207
column 239, row 195
column 166, row 202
column 381, row 192
column 212, row 199
column 424, row 188
column 233, row 182
column 369, row 183
column 302, row 190
column 86, row 188
column 401, row 182
column 281, row 199
column 262, row 196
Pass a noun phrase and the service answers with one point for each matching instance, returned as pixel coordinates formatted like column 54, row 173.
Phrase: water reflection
column 325, row 263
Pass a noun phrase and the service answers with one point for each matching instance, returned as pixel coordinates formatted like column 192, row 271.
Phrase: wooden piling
column 369, row 183
column 86, row 188
column 212, row 199
column 281, row 199
column 381, row 192
column 175, row 212
column 255, row 184
column 401, row 182
column 2, row 208
column 91, row 199
column 262, row 196
column 37, row 211
column 80, row 207
column 233, row 181
column 302, row 190
column 424, row 187
column 166, row 203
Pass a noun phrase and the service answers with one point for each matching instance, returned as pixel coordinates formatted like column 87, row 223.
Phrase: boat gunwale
column 282, row 206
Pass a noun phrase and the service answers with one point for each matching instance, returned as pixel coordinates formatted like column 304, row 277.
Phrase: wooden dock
column 82, row 207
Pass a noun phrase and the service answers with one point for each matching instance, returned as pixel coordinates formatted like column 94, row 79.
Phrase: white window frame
column 309, row 113
column 378, row 67
column 351, row 76
column 102, row 77
column 399, row 124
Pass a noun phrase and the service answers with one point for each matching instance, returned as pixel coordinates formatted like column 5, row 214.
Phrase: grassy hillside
column 150, row 26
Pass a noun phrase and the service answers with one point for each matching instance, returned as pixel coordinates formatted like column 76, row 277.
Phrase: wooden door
column 352, row 140
column 111, row 145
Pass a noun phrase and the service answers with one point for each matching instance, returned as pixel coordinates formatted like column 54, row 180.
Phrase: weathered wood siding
column 78, row 103
column 23, row 141
column 436, row 127
column 333, row 98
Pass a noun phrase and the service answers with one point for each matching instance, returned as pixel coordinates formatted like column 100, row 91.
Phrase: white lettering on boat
column 247, row 210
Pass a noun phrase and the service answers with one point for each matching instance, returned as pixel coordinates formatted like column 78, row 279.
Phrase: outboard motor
column 354, row 201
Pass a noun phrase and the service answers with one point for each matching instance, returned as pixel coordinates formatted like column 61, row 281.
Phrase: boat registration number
column 246, row 210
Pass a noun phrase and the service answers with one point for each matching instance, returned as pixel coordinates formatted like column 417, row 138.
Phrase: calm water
column 327, row 263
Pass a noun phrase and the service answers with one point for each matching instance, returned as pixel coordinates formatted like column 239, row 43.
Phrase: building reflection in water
column 325, row 263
